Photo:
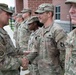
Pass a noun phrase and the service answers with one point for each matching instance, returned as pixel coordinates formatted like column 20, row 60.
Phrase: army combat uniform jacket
column 15, row 30
column 34, row 66
column 9, row 64
column 70, row 58
column 50, row 46
column 15, row 35
column 24, row 36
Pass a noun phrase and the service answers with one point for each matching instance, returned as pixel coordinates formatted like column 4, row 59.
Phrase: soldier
column 19, row 20
column 26, row 13
column 9, row 63
column 49, row 43
column 24, row 31
column 70, row 59
column 14, row 16
column 33, row 24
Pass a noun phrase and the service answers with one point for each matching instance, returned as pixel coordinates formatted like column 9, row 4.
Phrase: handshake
column 25, row 61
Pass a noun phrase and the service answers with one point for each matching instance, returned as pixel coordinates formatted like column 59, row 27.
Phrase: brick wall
column 25, row 3
column 18, row 5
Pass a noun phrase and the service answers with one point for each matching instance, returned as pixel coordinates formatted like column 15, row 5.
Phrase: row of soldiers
column 26, row 40
column 41, row 44
column 25, row 29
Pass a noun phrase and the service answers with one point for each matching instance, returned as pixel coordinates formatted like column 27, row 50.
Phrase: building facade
column 61, row 14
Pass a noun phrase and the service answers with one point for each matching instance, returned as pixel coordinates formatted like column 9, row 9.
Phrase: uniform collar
column 2, row 31
column 47, row 29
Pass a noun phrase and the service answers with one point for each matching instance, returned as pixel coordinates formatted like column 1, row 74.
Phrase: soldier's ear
column 49, row 14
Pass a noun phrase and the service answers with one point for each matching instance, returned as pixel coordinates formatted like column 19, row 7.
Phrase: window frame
column 57, row 12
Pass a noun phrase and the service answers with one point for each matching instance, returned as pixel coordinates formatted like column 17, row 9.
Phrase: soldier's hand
column 25, row 63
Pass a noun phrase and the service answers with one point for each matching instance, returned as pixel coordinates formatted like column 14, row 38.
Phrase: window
column 57, row 12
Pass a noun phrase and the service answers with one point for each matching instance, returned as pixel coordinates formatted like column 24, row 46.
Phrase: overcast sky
column 9, row 2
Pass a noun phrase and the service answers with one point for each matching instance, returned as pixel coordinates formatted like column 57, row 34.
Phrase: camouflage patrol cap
column 5, row 8
column 70, row 1
column 45, row 7
column 19, row 15
column 32, row 19
column 26, row 10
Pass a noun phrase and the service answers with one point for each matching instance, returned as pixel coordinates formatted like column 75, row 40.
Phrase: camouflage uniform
column 51, row 44
column 9, row 64
column 15, row 33
column 48, row 46
column 17, row 24
column 24, row 36
column 70, row 58
column 18, row 32
column 24, row 32
column 34, row 66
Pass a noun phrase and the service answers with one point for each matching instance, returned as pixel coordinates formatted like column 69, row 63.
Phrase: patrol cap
column 45, row 7
column 32, row 19
column 5, row 8
column 26, row 10
column 19, row 15
column 70, row 1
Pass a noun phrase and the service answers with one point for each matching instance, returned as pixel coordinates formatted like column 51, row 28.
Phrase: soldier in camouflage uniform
column 49, row 43
column 14, row 16
column 70, row 59
column 19, row 20
column 9, row 63
column 24, row 31
column 33, row 24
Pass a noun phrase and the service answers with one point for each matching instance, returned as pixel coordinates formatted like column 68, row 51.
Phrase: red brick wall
column 64, row 9
column 25, row 2
column 33, row 4
column 18, row 5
